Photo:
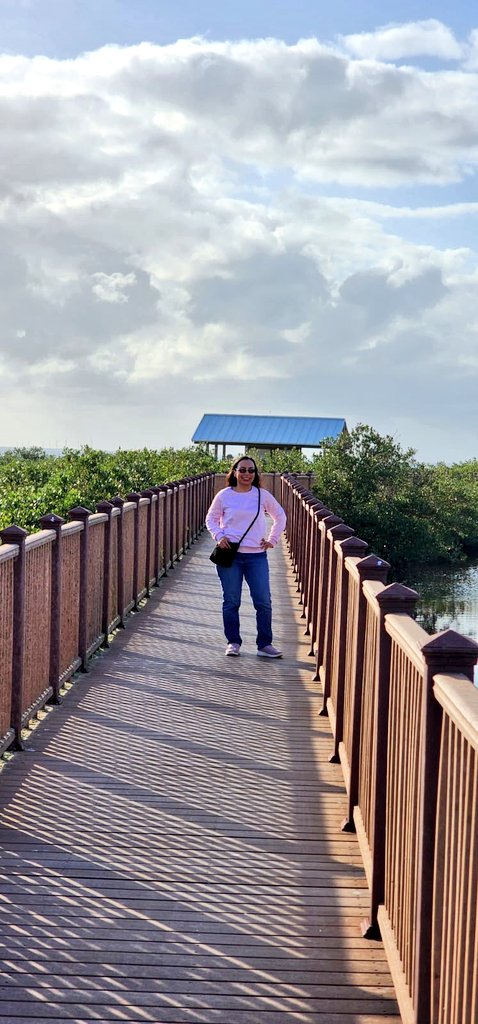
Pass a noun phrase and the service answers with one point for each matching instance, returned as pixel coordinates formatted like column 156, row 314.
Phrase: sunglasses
column 244, row 470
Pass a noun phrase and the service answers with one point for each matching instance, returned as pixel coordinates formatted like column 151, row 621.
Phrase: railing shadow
column 164, row 838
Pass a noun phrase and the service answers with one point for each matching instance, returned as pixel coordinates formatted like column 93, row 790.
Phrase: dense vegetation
column 32, row 484
column 407, row 511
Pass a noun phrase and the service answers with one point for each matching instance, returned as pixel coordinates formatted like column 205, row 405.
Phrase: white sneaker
column 233, row 650
column 269, row 652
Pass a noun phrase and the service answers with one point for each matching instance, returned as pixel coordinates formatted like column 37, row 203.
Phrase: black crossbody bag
column 225, row 556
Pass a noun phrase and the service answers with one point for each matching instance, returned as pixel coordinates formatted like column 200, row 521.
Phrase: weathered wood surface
column 171, row 844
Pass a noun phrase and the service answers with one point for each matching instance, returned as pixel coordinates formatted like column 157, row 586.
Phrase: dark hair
column 231, row 479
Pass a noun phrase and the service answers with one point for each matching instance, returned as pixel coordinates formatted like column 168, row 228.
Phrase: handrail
column 65, row 589
column 401, row 704
column 404, row 717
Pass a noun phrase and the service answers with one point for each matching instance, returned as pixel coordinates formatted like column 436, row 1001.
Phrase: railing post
column 319, row 512
column 118, row 502
column 209, row 495
column 369, row 568
column 284, row 500
column 293, row 526
column 394, row 598
column 302, row 544
column 54, row 522
column 199, row 491
column 148, row 493
column 313, row 505
column 340, row 531
column 164, row 526
column 305, row 567
column 135, row 498
column 190, row 511
column 445, row 652
column 155, row 547
column 16, row 535
column 184, row 483
column 172, row 522
column 107, row 508
column 186, row 516
column 82, row 515
column 351, row 547
column 327, row 519
column 194, row 494
column 178, row 521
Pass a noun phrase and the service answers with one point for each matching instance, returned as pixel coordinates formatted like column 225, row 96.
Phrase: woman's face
column 245, row 471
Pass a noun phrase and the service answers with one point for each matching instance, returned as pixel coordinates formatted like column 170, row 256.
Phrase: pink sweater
column 231, row 512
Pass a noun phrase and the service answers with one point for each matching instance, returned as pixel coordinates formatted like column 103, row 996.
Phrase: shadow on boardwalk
column 171, row 839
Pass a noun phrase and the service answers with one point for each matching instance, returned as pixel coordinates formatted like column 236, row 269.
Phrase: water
column 448, row 598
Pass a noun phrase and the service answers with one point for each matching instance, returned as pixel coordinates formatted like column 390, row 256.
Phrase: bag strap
column 255, row 517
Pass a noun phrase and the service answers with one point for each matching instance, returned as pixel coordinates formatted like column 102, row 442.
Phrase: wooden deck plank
column 170, row 840
column 19, row 1013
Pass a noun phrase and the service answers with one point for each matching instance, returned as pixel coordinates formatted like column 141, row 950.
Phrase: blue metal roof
column 300, row 431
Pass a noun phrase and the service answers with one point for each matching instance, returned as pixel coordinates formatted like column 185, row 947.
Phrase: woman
column 231, row 513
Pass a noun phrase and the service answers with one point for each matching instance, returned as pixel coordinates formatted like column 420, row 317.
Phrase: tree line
column 409, row 512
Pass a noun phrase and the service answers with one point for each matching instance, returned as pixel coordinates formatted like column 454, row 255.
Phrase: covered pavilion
column 265, row 433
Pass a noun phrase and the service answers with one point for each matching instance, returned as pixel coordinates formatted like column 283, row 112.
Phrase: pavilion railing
column 64, row 590
column 404, row 718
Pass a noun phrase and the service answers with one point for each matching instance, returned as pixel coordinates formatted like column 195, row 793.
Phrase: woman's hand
column 265, row 544
column 223, row 543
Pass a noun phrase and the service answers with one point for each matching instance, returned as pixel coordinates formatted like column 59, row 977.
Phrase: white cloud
column 111, row 287
column 472, row 59
column 118, row 118
column 430, row 38
column 165, row 245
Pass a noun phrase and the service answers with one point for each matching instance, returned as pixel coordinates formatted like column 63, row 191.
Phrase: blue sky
column 63, row 28
column 199, row 213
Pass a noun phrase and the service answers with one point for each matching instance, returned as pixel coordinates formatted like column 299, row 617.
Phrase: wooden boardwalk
column 171, row 844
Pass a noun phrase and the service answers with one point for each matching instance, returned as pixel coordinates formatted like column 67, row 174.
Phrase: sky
column 264, row 208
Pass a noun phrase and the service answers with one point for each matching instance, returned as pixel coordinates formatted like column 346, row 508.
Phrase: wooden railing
column 404, row 718
column 64, row 590
column 269, row 481
column 402, row 707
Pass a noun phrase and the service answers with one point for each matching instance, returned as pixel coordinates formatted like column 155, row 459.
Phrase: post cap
column 13, row 534
column 51, row 522
column 79, row 512
column 397, row 598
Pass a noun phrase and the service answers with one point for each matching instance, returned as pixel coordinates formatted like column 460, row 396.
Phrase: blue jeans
column 255, row 570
